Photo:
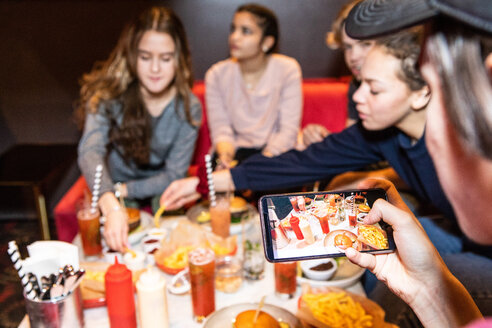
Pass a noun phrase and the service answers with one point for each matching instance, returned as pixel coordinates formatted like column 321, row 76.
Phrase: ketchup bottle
column 119, row 296
column 294, row 223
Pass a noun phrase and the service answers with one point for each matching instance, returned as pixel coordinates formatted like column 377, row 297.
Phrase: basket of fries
column 332, row 307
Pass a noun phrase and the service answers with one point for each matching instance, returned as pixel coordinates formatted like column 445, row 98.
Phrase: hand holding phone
column 317, row 225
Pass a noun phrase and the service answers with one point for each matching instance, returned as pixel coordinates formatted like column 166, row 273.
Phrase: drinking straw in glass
column 97, row 186
column 210, row 180
column 14, row 254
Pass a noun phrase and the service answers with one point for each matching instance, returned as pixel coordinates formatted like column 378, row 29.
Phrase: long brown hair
column 458, row 53
column 116, row 78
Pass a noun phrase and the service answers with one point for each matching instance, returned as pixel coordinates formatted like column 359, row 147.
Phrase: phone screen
column 323, row 224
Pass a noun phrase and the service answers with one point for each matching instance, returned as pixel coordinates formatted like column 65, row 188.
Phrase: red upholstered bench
column 325, row 102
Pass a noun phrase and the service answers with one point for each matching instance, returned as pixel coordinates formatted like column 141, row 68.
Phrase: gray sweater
column 171, row 148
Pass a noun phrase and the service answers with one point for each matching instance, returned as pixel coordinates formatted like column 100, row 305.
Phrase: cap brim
column 373, row 18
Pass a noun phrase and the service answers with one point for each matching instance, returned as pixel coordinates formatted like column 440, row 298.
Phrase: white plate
column 346, row 275
column 236, row 228
column 225, row 316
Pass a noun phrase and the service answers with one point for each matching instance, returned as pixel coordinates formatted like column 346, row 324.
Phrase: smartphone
column 304, row 226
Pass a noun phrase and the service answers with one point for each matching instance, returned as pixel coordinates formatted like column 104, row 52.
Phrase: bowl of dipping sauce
column 319, row 269
column 149, row 243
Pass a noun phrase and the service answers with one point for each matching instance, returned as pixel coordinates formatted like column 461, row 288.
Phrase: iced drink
column 90, row 234
column 306, row 231
column 285, row 279
column 293, row 202
column 220, row 216
column 352, row 216
column 201, row 263
column 322, row 216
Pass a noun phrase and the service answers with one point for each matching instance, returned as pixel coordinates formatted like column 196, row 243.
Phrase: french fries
column 337, row 310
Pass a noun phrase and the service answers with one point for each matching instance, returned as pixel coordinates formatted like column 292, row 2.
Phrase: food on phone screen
column 364, row 208
column 372, row 236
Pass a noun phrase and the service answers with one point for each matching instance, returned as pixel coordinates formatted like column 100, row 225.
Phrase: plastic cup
column 90, row 233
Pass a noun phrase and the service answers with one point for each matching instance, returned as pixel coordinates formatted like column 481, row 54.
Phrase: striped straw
column 14, row 254
column 97, row 186
column 210, row 180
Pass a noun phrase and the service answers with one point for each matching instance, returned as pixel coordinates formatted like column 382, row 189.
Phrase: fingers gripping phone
column 304, row 226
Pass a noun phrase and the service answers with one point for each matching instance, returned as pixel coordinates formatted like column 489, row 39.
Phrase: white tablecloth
column 180, row 309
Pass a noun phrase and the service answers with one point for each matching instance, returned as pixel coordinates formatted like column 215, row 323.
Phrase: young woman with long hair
column 140, row 118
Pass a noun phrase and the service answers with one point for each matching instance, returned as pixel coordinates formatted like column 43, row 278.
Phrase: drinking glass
column 89, row 229
column 285, row 279
column 254, row 259
column 201, row 263
column 220, row 215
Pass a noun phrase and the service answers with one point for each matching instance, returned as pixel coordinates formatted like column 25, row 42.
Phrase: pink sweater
column 267, row 116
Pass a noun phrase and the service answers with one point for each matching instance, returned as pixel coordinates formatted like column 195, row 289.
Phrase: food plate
column 146, row 222
column 225, row 316
column 346, row 275
column 249, row 217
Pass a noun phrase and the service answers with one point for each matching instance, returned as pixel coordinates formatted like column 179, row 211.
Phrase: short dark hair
column 405, row 46
column 267, row 20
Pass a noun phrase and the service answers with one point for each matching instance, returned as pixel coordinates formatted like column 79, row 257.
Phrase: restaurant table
column 180, row 308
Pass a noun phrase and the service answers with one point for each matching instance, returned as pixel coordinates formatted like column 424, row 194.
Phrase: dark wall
column 47, row 45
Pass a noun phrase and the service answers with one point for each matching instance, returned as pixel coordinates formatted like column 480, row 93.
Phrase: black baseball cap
column 373, row 18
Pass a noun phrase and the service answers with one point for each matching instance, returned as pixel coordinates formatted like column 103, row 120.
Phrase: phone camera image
column 315, row 225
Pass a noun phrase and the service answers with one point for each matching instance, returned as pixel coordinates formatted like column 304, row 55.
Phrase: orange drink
column 90, row 234
column 285, row 279
column 201, row 262
column 220, row 216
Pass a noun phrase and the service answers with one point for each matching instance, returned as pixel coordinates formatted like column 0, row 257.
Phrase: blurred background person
column 253, row 98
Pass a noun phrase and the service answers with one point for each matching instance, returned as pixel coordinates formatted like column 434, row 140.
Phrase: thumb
column 363, row 260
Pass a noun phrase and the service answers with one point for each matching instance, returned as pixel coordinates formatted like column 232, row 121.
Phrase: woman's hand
column 116, row 230
column 313, row 133
column 179, row 193
column 116, row 226
column 415, row 272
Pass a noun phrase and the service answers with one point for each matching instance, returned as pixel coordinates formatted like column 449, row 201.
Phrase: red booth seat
column 325, row 103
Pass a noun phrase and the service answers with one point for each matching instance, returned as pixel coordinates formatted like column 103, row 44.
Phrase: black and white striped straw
column 14, row 254
column 210, row 180
column 96, row 188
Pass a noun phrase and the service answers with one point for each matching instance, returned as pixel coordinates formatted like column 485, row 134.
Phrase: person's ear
column 420, row 98
column 267, row 43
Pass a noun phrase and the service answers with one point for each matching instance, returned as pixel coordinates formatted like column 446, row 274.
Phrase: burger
column 364, row 208
column 264, row 320
column 239, row 209
column 133, row 218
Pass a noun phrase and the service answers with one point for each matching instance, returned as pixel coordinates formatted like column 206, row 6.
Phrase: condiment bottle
column 119, row 296
column 152, row 300
column 294, row 223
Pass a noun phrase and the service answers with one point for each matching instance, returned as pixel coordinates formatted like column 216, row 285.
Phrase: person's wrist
column 118, row 189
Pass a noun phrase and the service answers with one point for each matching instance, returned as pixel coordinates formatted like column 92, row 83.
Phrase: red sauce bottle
column 294, row 223
column 119, row 296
